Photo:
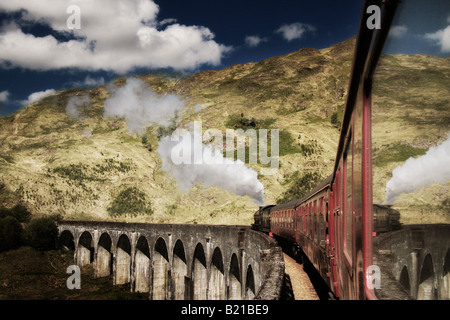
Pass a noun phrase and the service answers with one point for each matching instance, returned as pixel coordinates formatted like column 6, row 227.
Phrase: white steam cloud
column 433, row 167
column 209, row 169
column 36, row 96
column 140, row 105
column 73, row 105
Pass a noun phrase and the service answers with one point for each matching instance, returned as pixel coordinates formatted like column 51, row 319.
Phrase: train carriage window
column 289, row 218
column 304, row 220
column 305, row 217
column 292, row 219
column 310, row 226
column 307, row 224
column 315, row 221
column 300, row 223
column 315, row 226
column 348, row 205
column 322, row 223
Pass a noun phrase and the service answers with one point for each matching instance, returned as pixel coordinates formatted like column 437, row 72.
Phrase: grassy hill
column 94, row 167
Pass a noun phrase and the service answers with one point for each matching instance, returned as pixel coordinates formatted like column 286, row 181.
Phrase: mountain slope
column 89, row 167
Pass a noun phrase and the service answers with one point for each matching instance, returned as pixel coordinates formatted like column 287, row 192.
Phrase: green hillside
column 94, row 168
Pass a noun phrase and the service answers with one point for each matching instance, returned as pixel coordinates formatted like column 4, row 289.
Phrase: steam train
column 333, row 224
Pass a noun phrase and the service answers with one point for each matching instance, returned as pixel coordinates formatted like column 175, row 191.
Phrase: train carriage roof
column 295, row 203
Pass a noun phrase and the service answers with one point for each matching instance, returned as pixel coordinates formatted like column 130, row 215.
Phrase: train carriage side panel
column 354, row 161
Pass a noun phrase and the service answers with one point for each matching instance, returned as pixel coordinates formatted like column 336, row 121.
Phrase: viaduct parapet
column 179, row 262
column 418, row 258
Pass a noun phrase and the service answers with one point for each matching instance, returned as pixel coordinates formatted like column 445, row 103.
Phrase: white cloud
column 441, row 38
column 254, row 41
column 140, row 105
column 94, row 82
column 4, row 96
column 167, row 21
column 36, row 96
column 89, row 82
column 398, row 31
column 124, row 36
column 295, row 30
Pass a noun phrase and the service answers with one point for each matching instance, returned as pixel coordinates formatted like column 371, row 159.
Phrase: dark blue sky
column 420, row 27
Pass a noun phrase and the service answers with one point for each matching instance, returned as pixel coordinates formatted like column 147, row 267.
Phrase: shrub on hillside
column 130, row 201
column 10, row 233
column 300, row 186
column 41, row 233
column 19, row 211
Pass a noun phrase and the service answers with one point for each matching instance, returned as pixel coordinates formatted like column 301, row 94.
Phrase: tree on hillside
column 41, row 233
column 10, row 233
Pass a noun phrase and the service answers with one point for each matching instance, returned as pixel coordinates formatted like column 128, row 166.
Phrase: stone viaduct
column 418, row 258
column 179, row 262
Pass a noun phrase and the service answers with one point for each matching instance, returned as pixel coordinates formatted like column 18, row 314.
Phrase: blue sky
column 39, row 54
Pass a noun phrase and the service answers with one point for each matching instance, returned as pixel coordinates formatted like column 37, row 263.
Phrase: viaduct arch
column 179, row 262
column 418, row 257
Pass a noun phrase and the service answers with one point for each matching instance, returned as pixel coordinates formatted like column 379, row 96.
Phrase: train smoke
column 434, row 166
column 140, row 105
column 207, row 166
column 76, row 102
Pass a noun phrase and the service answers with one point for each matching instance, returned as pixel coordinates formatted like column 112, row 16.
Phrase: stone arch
column 427, row 289
column 445, row 287
column 216, row 286
column 104, row 256
column 199, row 273
column 123, row 260
column 180, row 271
column 142, row 266
column 85, row 249
column 161, row 271
column 404, row 280
column 66, row 240
column 250, row 291
column 235, row 287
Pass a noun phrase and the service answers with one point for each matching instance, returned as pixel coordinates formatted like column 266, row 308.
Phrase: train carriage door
column 348, row 203
column 335, row 228
column 322, row 224
column 348, row 238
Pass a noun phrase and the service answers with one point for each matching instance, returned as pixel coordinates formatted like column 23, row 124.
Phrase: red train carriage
column 333, row 224
column 350, row 215
column 303, row 224
column 311, row 229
